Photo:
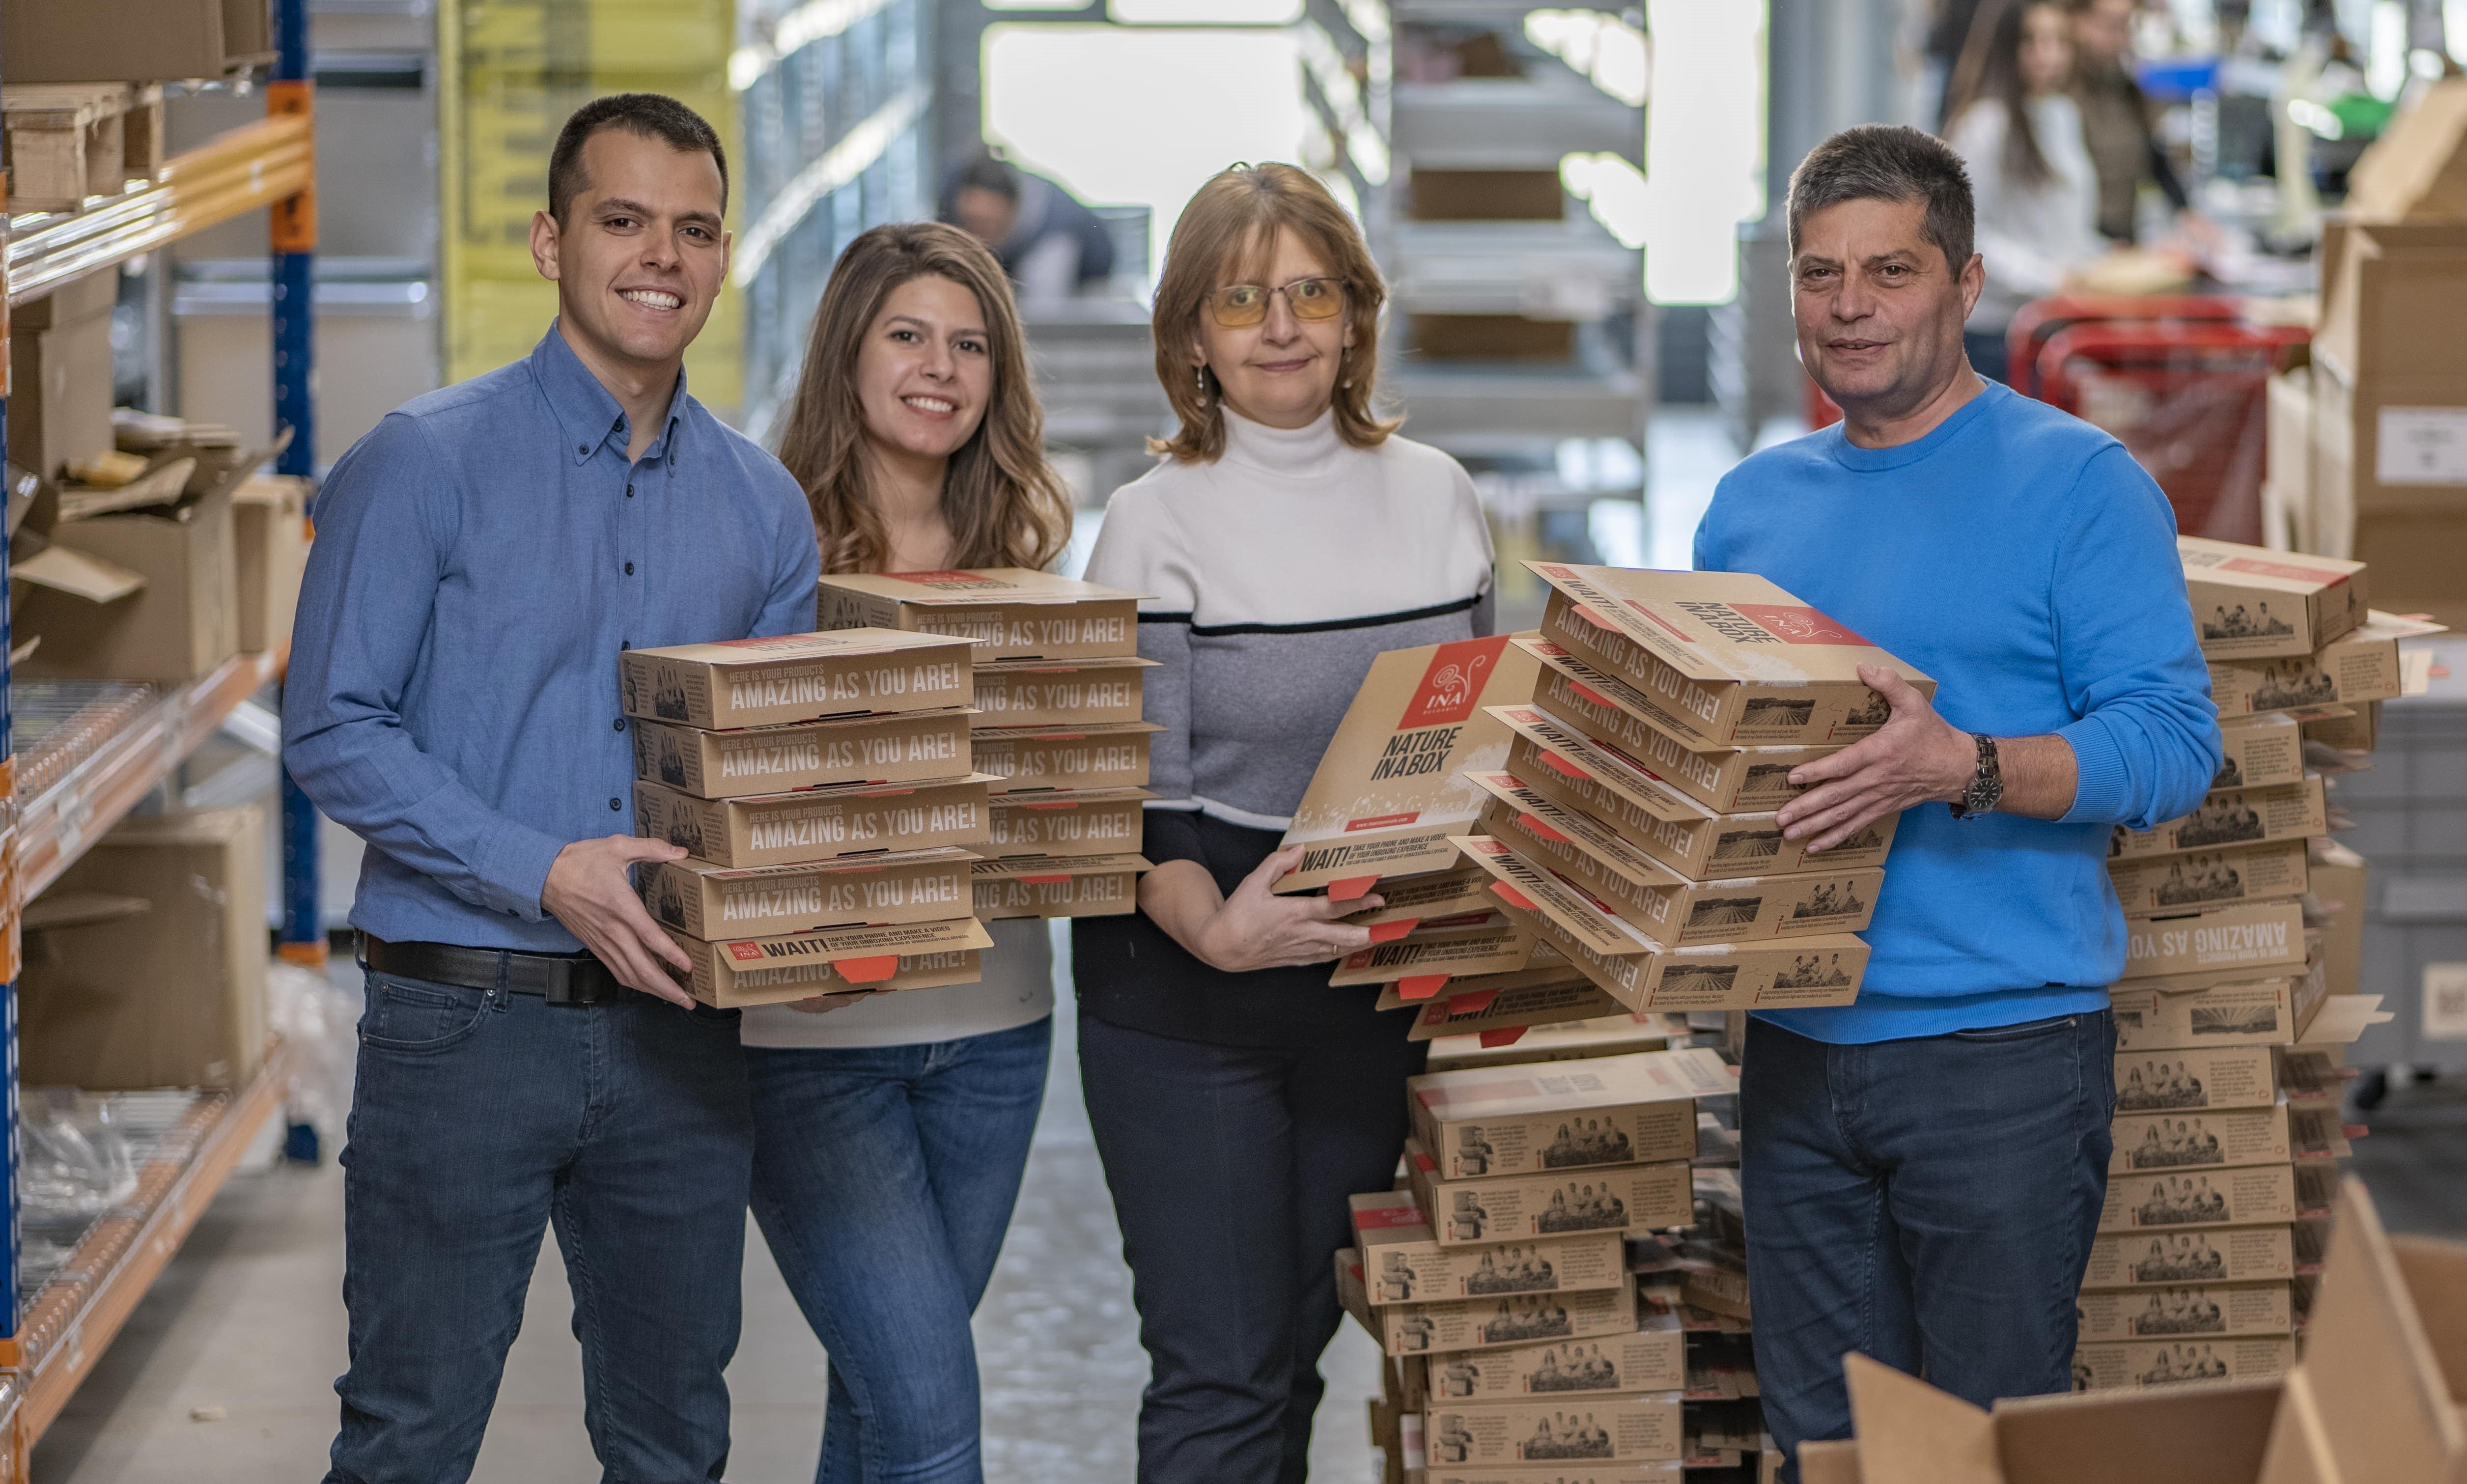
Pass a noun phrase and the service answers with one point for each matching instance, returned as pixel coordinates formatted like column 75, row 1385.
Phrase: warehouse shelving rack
column 81, row 777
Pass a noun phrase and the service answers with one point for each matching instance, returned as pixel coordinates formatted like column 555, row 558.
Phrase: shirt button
column 582, row 448
column 624, row 643
column 630, row 569
column 620, row 722
column 616, row 804
column 629, row 491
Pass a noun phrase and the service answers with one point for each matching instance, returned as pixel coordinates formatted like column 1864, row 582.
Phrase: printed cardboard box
column 1422, row 967
column 1486, row 1323
column 1668, row 907
column 2350, row 729
column 2169, row 1362
column 1607, row 709
column 1406, row 901
column 2261, row 750
column 778, row 829
column 1060, row 886
column 2360, row 666
column 897, row 749
column 2251, row 1196
column 2232, row 817
column 2210, row 1311
column 1635, row 1470
column 2267, row 1009
column 1022, row 758
column 2250, row 603
column 1387, row 794
column 708, row 901
column 1612, row 1110
column 1006, row 613
column 2174, row 1259
column 1616, row 1033
column 1496, row 1011
column 1563, row 1434
column 1729, row 658
column 2203, row 1078
column 2246, row 937
column 2151, row 884
column 1041, row 694
column 1403, row 1263
column 1081, row 821
column 779, row 967
column 1630, row 1197
column 2167, row 1144
column 1652, row 1359
column 794, row 678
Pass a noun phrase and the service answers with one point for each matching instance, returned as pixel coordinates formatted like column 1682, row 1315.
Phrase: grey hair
column 1888, row 162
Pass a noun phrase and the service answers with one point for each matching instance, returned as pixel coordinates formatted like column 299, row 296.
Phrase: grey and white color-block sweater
column 1274, row 574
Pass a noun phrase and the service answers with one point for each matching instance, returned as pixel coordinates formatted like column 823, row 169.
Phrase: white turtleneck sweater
column 2030, row 234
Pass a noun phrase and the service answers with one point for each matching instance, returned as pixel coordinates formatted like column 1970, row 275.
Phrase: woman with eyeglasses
column 1286, row 538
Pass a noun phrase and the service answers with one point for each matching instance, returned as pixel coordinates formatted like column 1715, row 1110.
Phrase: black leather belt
column 561, row 978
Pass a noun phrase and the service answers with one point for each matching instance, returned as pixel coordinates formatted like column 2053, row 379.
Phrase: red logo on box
column 1453, row 682
column 743, row 952
column 1382, row 821
column 2289, row 570
column 1799, row 625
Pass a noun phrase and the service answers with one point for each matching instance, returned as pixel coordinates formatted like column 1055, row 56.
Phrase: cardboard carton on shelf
column 903, row 747
column 2170, row 1363
column 708, row 901
column 2209, row 1311
column 2201, row 1254
column 2232, row 817
column 1003, row 613
column 1051, row 758
column 2250, row 603
column 1077, row 822
column 1559, row 1431
column 1422, row 967
column 2206, row 1078
column 1059, row 886
column 59, row 355
column 780, row 967
column 270, row 537
column 1453, row 1325
column 1731, row 658
column 1060, row 693
column 2246, row 937
column 2167, row 883
column 166, row 608
column 1650, row 1359
column 2247, row 1196
column 795, row 677
column 781, row 829
column 1618, row 1033
column 1614, row 1110
column 1403, row 1261
column 132, row 40
column 1500, row 1009
column 1632, row 1198
column 2260, row 751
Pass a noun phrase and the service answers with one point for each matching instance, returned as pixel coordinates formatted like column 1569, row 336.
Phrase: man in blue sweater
column 1924, row 1168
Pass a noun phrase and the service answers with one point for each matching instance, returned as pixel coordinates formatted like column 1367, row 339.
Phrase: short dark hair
column 987, row 171
column 1888, row 162
column 649, row 115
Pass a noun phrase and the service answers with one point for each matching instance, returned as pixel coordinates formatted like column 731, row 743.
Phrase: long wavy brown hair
column 1230, row 228
column 1004, row 504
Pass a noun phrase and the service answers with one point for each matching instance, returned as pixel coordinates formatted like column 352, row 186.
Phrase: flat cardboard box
column 1628, row 1198
column 906, row 748
column 1643, row 974
column 1425, row 966
column 1387, row 794
column 2177, row 883
column 181, row 626
column 132, row 40
column 2246, row 937
column 2210, row 1311
column 1406, row 901
column 1653, row 1358
column 1006, row 613
column 1043, row 693
column 1562, row 1432
column 1613, row 1109
column 708, row 901
column 1403, row 1263
column 2172, row 1142
column 1501, row 1008
column 1668, row 907
column 2232, row 817
column 814, row 825
column 270, row 537
column 1060, row 758
column 2174, row 1361
column 171, row 997
column 1081, row 821
column 1615, row 1034
column 2260, row 751
column 1606, row 709
column 2250, row 603
column 2176, row 1258
column 2259, row 1010
column 2247, row 1196
column 2358, row 666
column 2205, row 1079
column 1497, row 1324
column 1063, row 885
column 1639, row 1471
column 1731, row 657
column 796, row 678
column 775, row 968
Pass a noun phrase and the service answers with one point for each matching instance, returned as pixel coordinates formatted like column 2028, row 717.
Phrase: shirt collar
column 586, row 413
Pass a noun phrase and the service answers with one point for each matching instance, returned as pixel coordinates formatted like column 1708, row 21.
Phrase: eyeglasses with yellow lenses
column 1240, row 305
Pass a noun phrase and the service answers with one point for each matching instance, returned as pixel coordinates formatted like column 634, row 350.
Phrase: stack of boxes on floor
column 2238, row 1001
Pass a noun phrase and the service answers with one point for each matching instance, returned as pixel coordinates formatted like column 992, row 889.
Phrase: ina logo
column 1794, row 624
column 1453, row 682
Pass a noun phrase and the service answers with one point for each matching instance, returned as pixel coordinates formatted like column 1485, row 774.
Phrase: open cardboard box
column 1004, row 612
column 147, row 595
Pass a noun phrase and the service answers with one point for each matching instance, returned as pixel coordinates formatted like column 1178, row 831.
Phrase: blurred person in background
column 1288, row 539
column 1051, row 246
column 890, row 1136
column 2020, row 134
column 2116, row 124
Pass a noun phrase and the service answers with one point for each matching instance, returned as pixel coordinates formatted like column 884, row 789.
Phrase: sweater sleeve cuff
column 2102, row 792
column 1171, row 835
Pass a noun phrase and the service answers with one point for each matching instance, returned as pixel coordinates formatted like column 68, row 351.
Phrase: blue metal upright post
column 10, row 1295
column 294, row 243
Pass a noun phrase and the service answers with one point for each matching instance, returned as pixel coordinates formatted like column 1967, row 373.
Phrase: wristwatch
column 1986, row 786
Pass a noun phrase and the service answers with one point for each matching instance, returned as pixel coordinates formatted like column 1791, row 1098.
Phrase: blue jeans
column 1930, row 1202
column 884, row 1179
column 480, row 1119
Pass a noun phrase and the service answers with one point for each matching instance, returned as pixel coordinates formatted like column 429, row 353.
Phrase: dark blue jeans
column 884, row 1179
column 481, row 1118
column 1930, row 1202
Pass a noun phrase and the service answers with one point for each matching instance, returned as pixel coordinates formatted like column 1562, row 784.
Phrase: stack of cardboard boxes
column 1057, row 727
column 823, row 789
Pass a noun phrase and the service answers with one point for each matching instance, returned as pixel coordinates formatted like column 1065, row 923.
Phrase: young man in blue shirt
column 525, row 1061
column 1924, row 1168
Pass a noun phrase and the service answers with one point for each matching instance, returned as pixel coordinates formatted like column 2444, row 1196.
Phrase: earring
column 1199, row 380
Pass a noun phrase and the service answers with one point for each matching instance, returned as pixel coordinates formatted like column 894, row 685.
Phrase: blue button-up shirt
column 480, row 559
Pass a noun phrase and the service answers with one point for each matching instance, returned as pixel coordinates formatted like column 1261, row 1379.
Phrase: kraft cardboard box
column 1618, row 1033
column 1500, row 1009
column 1731, row 657
column 1496, row 1323
column 173, row 996
column 1063, row 885
column 2250, row 603
column 1021, row 758
column 796, row 678
column 2337, row 878
column 60, row 356
column 1652, row 1359
column 2176, row 882
column 132, row 40
column 2251, row 1196
column 2260, row 751
column 897, row 749
column 2232, row 817
column 2358, row 666
column 1561, row 1433
column 1404, row 1263
column 1004, row 612
column 1080, row 822
column 850, row 819
column 1613, row 1109
column 270, row 540
column 1422, row 967
column 1668, row 907
column 180, row 625
column 2204, row 1078
column 1042, row 694
column 1406, row 901
column 708, row 901
column 2173, row 1259
column 2174, row 1362
column 2167, row 1143
column 2230, row 1009
column 2245, row 937
column 1631, row 1198
column 2349, row 729
column 2410, row 550
column 2289, row 512
column 1639, row 1471
column 1610, row 712
column 775, row 968
column 1387, row 794
column 2210, row 1311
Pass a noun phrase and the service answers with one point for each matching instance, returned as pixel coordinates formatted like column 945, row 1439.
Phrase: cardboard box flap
column 1580, row 831
column 2436, row 1277
column 1606, row 765
column 2417, row 169
column 1908, row 1432
column 1031, row 868
column 975, row 589
column 2342, row 1019
column 1724, row 627
column 79, row 574
column 1523, row 885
